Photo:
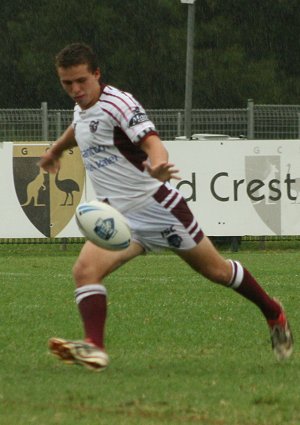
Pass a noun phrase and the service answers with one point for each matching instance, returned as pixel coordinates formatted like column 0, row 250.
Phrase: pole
column 189, row 71
column 250, row 119
column 44, row 109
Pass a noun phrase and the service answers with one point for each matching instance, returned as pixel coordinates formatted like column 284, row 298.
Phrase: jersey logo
column 105, row 229
column 94, row 126
column 174, row 240
column 138, row 118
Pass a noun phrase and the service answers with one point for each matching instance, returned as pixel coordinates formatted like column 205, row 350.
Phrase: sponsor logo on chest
column 93, row 126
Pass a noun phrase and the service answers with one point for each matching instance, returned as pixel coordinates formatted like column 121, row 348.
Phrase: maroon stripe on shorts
column 197, row 238
column 183, row 213
column 175, row 195
column 161, row 193
column 181, row 210
column 193, row 228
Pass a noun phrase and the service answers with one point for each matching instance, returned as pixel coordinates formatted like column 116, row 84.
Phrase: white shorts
column 165, row 222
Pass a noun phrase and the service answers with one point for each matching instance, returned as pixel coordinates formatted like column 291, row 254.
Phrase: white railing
column 252, row 122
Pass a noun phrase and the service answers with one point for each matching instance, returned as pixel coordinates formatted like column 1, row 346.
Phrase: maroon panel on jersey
column 129, row 150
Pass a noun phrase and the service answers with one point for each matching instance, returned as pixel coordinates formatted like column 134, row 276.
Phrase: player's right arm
column 50, row 159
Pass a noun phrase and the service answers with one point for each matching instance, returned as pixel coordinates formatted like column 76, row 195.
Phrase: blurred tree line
column 243, row 49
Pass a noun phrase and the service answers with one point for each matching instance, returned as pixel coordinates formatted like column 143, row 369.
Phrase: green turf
column 183, row 351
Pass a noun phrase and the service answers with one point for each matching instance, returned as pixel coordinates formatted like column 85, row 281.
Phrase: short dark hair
column 76, row 54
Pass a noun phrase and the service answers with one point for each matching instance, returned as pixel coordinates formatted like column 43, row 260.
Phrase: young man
column 128, row 166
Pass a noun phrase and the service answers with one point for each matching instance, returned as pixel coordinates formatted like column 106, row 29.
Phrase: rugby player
column 129, row 168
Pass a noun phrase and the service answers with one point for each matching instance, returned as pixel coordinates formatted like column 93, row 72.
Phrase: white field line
column 20, row 274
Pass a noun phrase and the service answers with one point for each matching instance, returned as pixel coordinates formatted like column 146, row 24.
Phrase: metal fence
column 253, row 122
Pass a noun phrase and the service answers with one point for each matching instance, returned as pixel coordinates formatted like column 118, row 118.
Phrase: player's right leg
column 91, row 267
column 205, row 259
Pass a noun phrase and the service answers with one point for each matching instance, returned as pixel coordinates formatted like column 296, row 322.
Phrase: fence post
column 44, row 108
column 179, row 123
column 189, row 70
column 58, row 124
column 250, row 119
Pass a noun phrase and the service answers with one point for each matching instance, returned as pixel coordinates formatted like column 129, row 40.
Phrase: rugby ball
column 103, row 225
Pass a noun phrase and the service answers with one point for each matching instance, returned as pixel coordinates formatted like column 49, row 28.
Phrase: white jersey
column 108, row 135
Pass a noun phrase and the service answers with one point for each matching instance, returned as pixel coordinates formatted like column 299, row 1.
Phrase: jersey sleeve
column 128, row 114
column 136, row 124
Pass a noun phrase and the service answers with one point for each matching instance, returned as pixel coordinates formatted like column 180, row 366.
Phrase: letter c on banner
column 212, row 187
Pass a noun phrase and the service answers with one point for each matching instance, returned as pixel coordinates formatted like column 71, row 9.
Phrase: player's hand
column 49, row 162
column 163, row 171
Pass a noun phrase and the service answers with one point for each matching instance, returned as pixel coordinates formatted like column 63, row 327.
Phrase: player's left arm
column 157, row 164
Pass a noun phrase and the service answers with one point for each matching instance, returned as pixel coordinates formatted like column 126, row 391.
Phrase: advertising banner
column 234, row 188
column 241, row 187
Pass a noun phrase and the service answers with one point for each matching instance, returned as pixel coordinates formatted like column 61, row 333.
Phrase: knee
column 230, row 275
column 78, row 272
column 221, row 274
column 84, row 273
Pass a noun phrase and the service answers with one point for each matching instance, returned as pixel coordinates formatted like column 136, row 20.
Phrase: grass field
column 183, row 351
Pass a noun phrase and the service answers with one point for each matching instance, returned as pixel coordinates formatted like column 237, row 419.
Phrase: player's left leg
column 205, row 259
column 91, row 267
